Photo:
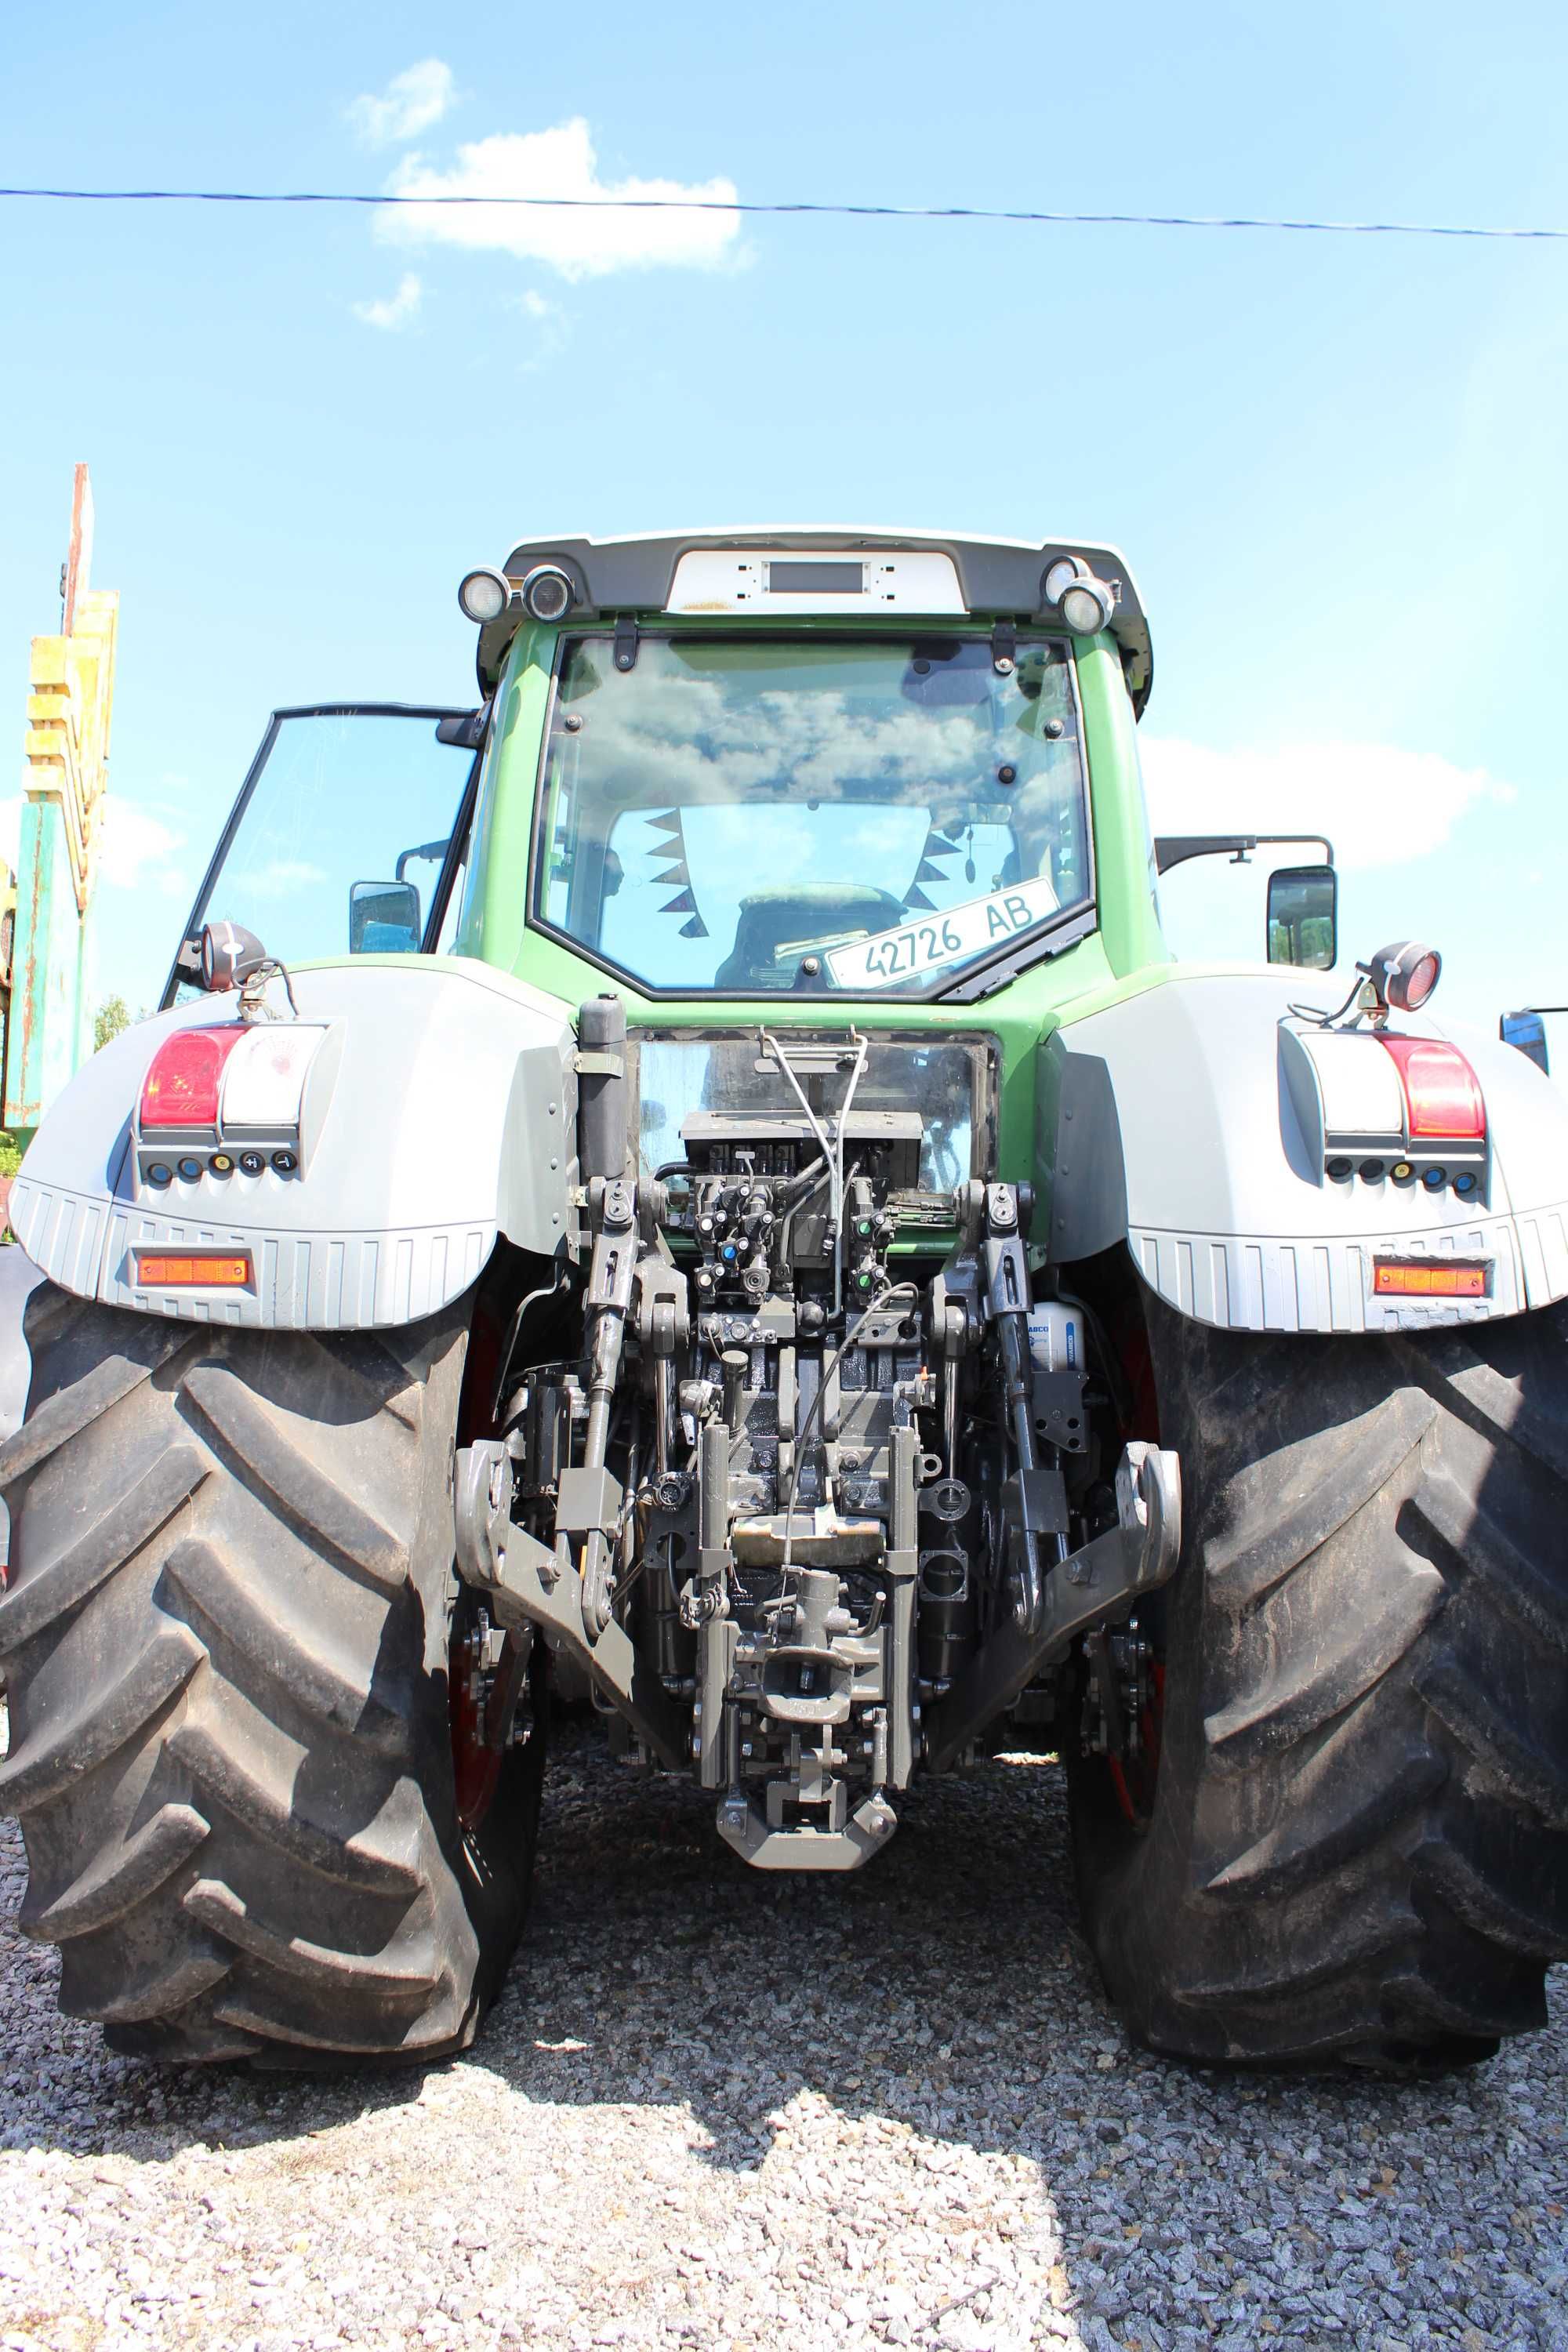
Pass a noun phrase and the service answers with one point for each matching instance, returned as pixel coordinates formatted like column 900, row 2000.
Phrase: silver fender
column 439, row 1114
column 1177, row 1121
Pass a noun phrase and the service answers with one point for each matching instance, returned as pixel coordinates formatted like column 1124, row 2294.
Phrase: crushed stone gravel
column 718, row 2109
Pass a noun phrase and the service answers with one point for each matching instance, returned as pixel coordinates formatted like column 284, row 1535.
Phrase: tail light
column 235, row 1085
column 183, row 1086
column 1443, row 1097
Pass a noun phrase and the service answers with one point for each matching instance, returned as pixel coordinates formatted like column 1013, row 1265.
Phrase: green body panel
column 1125, row 954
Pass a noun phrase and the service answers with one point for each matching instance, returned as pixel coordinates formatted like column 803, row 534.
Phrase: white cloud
column 1379, row 805
column 589, row 242
column 138, row 852
column 396, row 309
column 409, row 104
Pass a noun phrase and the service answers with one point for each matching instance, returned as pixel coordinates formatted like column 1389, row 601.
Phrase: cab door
column 347, row 836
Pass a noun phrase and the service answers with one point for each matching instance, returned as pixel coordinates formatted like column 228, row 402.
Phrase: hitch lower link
column 526, row 1583
column 1104, row 1578
column 565, row 1590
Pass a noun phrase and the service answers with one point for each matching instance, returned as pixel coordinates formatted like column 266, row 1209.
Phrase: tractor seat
column 800, row 915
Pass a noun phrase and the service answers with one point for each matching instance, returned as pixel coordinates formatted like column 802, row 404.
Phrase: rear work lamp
column 1404, row 974
column 484, row 595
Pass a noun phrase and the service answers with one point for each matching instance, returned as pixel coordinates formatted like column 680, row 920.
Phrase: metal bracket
column 523, row 1585
column 587, row 1500
column 1057, row 1406
column 465, row 728
column 745, row 1826
column 663, row 1308
column 625, row 642
column 1103, row 1578
column 1003, row 647
column 1034, row 1502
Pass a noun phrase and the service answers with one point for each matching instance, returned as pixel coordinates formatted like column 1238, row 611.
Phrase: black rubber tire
column 225, row 1637
column 1357, row 1844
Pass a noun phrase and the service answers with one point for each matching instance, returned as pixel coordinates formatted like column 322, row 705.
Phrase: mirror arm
column 434, row 850
column 1176, row 848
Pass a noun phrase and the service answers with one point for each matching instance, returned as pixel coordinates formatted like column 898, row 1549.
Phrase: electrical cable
column 835, row 211
column 835, row 1157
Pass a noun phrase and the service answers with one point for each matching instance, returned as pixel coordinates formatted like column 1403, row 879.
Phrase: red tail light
column 182, row 1088
column 1442, row 1093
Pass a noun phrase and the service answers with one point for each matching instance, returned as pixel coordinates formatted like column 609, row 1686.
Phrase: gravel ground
column 713, row 2109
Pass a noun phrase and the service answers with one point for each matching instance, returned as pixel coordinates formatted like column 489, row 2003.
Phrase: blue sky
column 1337, row 465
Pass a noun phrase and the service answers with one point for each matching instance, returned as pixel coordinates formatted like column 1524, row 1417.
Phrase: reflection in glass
column 725, row 814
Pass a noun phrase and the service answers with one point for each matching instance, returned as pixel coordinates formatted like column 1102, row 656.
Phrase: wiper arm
column 1016, row 955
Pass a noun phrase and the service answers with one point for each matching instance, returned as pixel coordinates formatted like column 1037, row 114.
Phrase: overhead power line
column 719, row 205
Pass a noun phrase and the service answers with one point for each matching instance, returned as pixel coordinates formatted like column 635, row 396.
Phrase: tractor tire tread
column 1358, row 1848
column 225, row 1637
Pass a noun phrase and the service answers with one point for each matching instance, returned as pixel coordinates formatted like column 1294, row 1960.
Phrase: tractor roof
column 989, row 579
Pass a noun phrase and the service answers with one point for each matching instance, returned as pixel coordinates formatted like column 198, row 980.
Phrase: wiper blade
column 1016, row 955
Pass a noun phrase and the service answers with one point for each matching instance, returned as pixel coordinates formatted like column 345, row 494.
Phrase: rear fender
column 439, row 1114
column 1186, row 1121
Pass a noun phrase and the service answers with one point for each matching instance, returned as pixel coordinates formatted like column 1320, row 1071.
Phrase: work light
column 547, row 592
column 1060, row 578
column 484, row 595
column 1087, row 606
column 1404, row 974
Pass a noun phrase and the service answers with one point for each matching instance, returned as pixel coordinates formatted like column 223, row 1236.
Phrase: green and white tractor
column 698, row 1185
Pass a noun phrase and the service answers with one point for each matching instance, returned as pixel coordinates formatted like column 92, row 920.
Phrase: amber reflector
column 164, row 1272
column 1397, row 1277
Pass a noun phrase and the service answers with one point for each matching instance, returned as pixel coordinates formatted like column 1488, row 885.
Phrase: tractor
column 694, row 1186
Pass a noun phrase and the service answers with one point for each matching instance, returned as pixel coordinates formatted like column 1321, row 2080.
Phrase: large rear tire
column 225, row 1635
column 1355, row 1849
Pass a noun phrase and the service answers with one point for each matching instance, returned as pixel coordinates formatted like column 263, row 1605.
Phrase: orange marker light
column 204, row 1272
column 1400, row 1278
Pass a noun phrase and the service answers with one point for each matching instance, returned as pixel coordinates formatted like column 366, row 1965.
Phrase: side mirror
column 384, row 919
column 1527, row 1031
column 1304, row 915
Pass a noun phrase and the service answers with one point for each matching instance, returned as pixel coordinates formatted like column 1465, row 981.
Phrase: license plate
column 966, row 930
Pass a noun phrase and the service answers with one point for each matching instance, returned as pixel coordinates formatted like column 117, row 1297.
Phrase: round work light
column 229, row 954
column 484, row 595
column 1060, row 577
column 1087, row 606
column 547, row 592
column 1404, row 974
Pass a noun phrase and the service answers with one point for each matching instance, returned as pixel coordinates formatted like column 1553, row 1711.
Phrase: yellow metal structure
column 70, row 701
